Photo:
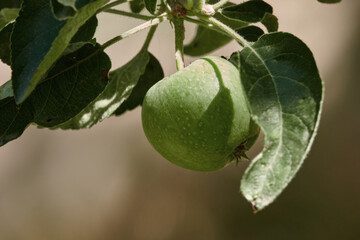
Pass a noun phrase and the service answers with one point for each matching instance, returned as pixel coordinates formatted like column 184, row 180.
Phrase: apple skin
column 196, row 117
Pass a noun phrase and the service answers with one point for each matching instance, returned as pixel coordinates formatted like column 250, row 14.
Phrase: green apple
column 198, row 116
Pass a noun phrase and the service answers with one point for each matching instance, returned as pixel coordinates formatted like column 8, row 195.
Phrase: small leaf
column 68, row 3
column 207, row 40
column 250, row 33
column 74, row 81
column 250, row 11
column 6, row 90
column 137, row 6
column 14, row 119
column 86, row 32
column 152, row 5
column 63, row 11
column 122, row 82
column 270, row 21
column 5, row 35
column 39, row 39
column 329, row 1
column 153, row 73
column 284, row 89
column 8, row 15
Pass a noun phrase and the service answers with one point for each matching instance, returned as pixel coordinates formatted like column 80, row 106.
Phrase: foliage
column 61, row 76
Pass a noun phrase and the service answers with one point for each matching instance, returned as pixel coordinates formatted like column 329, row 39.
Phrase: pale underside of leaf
column 285, row 93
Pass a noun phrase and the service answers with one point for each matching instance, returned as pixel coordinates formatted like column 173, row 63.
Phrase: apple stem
column 179, row 42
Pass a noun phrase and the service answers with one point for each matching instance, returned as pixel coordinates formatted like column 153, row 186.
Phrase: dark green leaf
column 68, row 3
column 153, row 73
column 329, row 1
column 284, row 89
column 270, row 22
column 207, row 40
column 73, row 47
column 152, row 5
column 137, row 6
column 7, row 15
column 10, row 4
column 5, row 35
column 65, row 94
column 61, row 11
column 39, row 39
column 74, row 81
column 14, row 119
column 86, row 32
column 251, row 11
column 122, row 81
column 250, row 33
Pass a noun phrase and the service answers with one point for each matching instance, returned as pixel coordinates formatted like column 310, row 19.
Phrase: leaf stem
column 179, row 42
column 129, row 14
column 110, row 5
column 149, row 37
column 219, row 4
column 205, row 24
column 229, row 31
column 150, row 23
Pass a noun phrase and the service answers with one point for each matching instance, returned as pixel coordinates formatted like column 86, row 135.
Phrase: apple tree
column 202, row 117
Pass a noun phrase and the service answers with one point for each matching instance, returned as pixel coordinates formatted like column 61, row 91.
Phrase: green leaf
column 270, row 21
column 68, row 3
column 5, row 35
column 250, row 33
column 329, row 1
column 250, row 11
column 6, row 90
column 62, row 11
column 14, row 119
column 153, row 73
column 207, row 40
column 86, row 32
column 122, row 82
column 10, row 4
column 39, row 39
column 74, row 81
column 137, row 6
column 7, row 15
column 152, row 5
column 65, row 93
column 284, row 89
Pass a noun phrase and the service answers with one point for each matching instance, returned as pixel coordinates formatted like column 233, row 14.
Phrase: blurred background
column 109, row 183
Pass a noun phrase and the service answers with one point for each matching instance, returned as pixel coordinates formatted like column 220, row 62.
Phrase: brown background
column 108, row 182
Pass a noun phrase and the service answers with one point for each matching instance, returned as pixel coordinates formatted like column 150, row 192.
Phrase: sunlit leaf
column 7, row 15
column 153, row 73
column 75, row 80
column 284, row 89
column 122, row 82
